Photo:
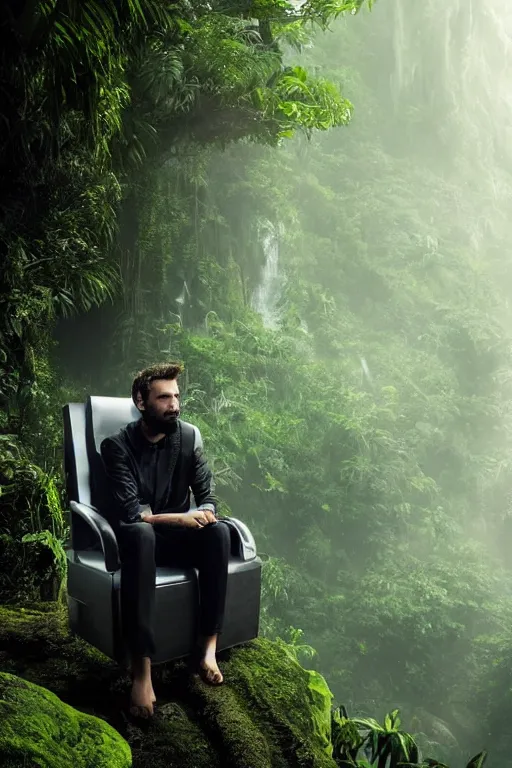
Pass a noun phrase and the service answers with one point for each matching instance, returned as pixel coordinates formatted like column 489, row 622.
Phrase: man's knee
column 218, row 535
column 137, row 538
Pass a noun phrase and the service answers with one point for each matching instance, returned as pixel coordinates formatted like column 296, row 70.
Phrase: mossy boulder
column 270, row 713
column 38, row 729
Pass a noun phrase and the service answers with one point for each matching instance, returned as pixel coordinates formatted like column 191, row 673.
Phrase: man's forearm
column 169, row 518
column 195, row 518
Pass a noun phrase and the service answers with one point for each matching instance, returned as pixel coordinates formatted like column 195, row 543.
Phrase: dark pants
column 143, row 547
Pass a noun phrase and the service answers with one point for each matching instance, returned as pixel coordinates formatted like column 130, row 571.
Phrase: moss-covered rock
column 270, row 713
column 39, row 729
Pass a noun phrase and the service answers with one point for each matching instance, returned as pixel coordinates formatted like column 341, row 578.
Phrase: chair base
column 95, row 609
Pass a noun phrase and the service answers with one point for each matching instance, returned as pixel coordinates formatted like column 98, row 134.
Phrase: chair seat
column 165, row 575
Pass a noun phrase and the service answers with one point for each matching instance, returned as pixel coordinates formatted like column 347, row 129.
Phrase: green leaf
column 477, row 761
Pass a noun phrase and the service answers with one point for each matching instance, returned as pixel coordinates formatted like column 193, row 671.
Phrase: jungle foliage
column 365, row 433
column 96, row 95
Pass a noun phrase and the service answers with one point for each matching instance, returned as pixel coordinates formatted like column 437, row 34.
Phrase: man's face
column 162, row 408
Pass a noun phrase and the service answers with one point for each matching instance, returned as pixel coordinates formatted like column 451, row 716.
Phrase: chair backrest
column 76, row 463
column 104, row 416
column 85, row 427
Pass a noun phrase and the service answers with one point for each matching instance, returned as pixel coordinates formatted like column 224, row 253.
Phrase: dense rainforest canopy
column 192, row 181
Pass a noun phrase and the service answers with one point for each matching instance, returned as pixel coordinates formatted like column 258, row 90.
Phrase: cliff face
column 270, row 713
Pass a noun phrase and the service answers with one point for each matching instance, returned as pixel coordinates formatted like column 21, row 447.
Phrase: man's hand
column 210, row 516
column 197, row 518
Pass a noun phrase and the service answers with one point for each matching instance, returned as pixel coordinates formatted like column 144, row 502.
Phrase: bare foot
column 142, row 696
column 142, row 699
column 209, row 670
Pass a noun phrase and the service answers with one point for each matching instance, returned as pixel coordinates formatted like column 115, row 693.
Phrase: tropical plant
column 33, row 530
column 383, row 746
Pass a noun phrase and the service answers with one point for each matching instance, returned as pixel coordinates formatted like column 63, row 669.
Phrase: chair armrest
column 103, row 530
column 242, row 540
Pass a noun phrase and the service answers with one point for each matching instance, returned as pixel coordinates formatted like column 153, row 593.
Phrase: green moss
column 175, row 740
column 43, row 621
column 38, row 727
column 237, row 736
column 270, row 713
column 292, row 702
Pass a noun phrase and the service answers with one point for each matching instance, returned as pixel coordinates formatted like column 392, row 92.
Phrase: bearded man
column 150, row 474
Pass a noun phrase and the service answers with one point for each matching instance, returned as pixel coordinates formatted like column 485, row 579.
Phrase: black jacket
column 132, row 480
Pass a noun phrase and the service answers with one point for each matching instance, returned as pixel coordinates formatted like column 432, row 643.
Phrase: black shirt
column 160, row 474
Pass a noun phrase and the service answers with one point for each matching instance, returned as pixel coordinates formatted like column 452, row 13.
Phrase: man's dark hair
column 142, row 381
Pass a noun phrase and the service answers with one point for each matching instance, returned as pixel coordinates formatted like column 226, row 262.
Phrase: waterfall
column 460, row 54
column 268, row 293
column 447, row 65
